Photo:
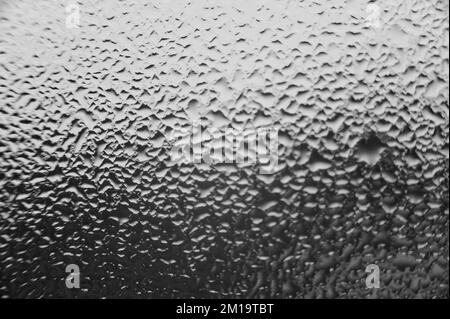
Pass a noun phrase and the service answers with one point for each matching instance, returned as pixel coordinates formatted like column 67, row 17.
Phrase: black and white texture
column 360, row 103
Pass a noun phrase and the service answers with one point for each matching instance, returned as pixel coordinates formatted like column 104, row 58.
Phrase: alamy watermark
column 209, row 145
column 373, row 16
column 373, row 277
column 72, row 16
column 73, row 277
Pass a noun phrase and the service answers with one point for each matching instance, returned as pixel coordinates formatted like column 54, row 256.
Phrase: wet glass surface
column 91, row 106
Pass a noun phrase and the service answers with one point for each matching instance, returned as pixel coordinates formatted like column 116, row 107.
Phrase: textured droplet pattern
column 88, row 117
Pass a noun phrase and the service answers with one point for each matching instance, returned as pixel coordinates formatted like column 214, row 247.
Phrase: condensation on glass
column 93, row 93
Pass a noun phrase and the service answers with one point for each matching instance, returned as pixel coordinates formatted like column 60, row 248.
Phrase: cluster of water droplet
column 85, row 171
